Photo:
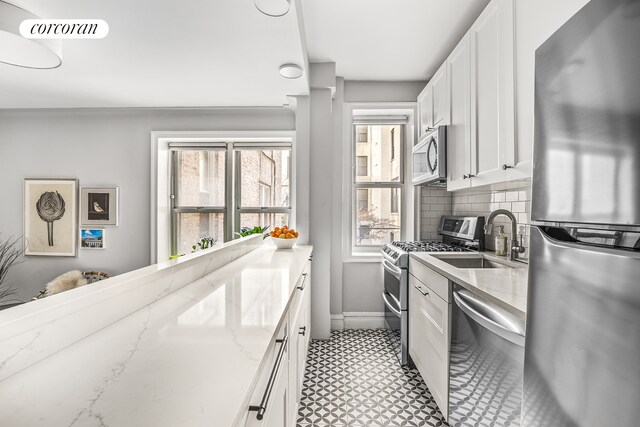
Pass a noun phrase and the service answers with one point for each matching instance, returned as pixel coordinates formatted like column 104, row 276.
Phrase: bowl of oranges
column 284, row 237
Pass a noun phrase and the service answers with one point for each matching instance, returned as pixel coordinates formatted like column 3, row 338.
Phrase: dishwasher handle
column 491, row 317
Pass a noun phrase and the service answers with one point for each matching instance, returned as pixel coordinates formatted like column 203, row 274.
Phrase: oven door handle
column 392, row 269
column 385, row 296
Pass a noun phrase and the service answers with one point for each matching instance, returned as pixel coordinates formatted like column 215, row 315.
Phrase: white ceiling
column 386, row 39
column 163, row 53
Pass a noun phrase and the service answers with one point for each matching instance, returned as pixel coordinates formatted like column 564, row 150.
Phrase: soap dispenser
column 501, row 242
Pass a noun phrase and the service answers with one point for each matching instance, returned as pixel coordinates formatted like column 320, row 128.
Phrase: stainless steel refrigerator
column 582, row 352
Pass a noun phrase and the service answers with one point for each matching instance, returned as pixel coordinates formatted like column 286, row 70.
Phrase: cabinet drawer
column 302, row 288
column 437, row 282
column 432, row 306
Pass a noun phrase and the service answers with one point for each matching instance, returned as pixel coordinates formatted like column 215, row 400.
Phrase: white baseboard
column 337, row 322
column 363, row 320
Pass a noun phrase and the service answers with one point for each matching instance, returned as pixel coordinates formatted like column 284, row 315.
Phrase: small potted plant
column 248, row 231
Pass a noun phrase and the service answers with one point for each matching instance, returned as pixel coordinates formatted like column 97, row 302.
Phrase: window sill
column 363, row 257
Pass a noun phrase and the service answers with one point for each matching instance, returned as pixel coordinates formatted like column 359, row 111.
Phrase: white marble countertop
column 190, row 358
column 506, row 287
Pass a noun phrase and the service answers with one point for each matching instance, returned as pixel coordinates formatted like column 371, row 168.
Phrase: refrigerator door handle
column 499, row 322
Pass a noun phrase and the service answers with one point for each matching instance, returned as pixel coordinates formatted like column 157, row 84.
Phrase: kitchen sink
column 473, row 263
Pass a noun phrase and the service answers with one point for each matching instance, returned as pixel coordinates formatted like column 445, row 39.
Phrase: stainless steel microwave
column 429, row 158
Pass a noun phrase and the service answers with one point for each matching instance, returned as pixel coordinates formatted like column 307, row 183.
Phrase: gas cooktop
column 459, row 234
column 430, row 247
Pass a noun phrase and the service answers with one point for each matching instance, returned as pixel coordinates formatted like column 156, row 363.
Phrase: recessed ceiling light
column 273, row 8
column 290, row 71
column 20, row 51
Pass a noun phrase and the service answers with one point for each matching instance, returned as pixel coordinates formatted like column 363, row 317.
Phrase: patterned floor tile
column 354, row 380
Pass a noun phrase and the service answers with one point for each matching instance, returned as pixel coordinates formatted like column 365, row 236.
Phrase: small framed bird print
column 98, row 206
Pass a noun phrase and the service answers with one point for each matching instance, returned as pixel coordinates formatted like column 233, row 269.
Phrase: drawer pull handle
column 272, row 380
column 304, row 280
column 420, row 290
column 303, row 331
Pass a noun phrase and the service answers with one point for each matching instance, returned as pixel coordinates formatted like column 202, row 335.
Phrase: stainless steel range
column 459, row 234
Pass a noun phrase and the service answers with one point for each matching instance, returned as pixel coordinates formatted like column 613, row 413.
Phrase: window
column 199, row 204
column 363, row 199
column 377, row 193
column 202, row 177
column 362, row 135
column 204, row 171
column 393, row 144
column 362, row 165
column 395, row 199
column 263, row 187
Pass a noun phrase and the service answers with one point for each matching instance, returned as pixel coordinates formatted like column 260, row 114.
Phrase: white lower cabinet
column 278, row 413
column 280, row 383
column 429, row 338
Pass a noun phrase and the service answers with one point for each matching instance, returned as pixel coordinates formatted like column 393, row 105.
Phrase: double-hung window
column 200, row 207
column 263, row 185
column 220, row 187
column 377, row 189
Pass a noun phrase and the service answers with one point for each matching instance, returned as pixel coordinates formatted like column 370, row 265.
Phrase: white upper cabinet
column 492, row 93
column 433, row 102
column 480, row 80
column 440, row 97
column 425, row 110
column 459, row 132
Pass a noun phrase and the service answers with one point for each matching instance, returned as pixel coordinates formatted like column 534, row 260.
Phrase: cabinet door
column 429, row 339
column 440, row 97
column 492, row 93
column 304, row 332
column 459, row 131
column 425, row 110
column 277, row 413
column 295, row 344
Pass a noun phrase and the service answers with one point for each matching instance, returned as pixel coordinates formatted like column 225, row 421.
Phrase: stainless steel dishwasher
column 486, row 363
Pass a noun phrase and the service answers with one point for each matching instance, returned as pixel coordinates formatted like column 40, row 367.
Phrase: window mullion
column 231, row 177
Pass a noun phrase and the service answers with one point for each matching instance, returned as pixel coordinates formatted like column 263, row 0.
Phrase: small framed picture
column 50, row 215
column 99, row 206
column 92, row 238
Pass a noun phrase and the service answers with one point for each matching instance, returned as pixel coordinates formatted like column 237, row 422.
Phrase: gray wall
column 100, row 147
column 363, row 281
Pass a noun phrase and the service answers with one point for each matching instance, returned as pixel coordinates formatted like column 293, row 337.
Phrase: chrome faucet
column 516, row 248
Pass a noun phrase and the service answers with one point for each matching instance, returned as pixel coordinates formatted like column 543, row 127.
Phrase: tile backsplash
column 435, row 203
column 514, row 196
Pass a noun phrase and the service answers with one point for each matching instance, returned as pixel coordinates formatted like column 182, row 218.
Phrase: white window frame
column 161, row 186
column 355, row 248
column 408, row 210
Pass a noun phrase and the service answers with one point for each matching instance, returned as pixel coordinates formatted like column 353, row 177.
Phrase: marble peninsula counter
column 188, row 357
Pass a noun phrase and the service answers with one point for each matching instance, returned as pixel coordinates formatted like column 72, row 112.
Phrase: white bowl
column 284, row 243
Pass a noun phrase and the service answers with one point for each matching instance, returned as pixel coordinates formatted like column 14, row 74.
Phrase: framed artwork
column 99, row 206
column 50, row 216
column 92, row 238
